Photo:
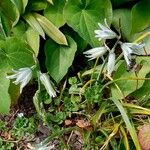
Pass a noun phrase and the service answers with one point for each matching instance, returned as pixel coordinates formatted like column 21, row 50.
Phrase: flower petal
column 46, row 82
column 111, row 63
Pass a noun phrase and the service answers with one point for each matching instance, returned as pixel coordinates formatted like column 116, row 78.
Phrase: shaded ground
column 25, row 106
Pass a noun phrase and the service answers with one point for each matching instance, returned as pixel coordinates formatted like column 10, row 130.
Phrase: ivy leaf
column 59, row 58
column 54, row 13
column 140, row 16
column 83, row 16
column 16, row 53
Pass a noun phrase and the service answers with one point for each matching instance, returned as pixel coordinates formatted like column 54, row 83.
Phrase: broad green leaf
column 10, row 10
column 59, row 58
column 83, row 16
column 126, row 79
column 54, row 13
column 34, row 24
column 5, row 26
column 51, row 30
column 129, row 126
column 122, row 20
column 33, row 40
column 16, row 53
column 5, row 100
column 81, row 43
column 140, row 16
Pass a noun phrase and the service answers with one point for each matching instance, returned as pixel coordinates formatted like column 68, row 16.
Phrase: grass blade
column 125, row 138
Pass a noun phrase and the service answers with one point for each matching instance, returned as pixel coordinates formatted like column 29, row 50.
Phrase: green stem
column 94, row 68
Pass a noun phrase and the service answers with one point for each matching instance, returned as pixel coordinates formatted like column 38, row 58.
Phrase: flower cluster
column 22, row 76
column 128, row 49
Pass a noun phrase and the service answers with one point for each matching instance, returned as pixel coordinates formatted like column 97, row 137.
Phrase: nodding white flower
column 105, row 32
column 44, row 78
column 22, row 76
column 111, row 62
column 95, row 52
column 131, row 48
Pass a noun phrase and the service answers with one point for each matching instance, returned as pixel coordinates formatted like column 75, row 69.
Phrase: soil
column 25, row 105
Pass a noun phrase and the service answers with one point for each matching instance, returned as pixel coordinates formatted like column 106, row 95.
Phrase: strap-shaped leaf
column 18, row 4
column 10, row 10
column 24, row 3
column 34, row 24
column 129, row 126
column 51, row 30
column 50, row 1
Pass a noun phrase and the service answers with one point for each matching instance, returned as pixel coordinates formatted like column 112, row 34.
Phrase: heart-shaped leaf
column 59, row 58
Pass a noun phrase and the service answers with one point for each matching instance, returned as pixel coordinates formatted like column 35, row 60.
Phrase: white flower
column 95, row 52
column 44, row 78
column 46, row 147
column 111, row 62
column 105, row 32
column 20, row 115
column 41, row 147
column 131, row 48
column 22, row 76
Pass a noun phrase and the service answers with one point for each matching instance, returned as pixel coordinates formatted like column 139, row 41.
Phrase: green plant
column 43, row 40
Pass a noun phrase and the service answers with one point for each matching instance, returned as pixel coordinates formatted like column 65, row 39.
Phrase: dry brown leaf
column 144, row 137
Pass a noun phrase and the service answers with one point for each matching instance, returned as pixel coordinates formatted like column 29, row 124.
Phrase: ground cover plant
column 74, row 74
